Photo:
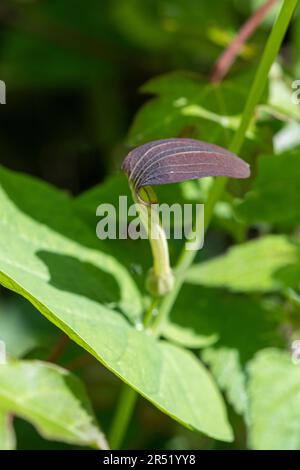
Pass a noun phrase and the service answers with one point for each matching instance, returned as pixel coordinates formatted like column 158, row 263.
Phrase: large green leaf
column 85, row 291
column 266, row 264
column 275, row 195
column 50, row 398
column 7, row 435
column 274, row 393
column 230, row 328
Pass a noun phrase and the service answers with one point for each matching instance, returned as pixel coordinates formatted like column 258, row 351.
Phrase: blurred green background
column 73, row 71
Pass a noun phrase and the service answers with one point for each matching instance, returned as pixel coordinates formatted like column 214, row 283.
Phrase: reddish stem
column 227, row 58
column 80, row 361
column 58, row 348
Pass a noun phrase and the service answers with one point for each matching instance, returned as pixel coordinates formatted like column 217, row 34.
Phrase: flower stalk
column 160, row 278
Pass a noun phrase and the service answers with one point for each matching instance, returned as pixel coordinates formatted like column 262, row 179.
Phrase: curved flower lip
column 175, row 160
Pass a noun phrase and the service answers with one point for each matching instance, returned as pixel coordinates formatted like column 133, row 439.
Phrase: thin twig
column 227, row 58
column 80, row 361
column 59, row 348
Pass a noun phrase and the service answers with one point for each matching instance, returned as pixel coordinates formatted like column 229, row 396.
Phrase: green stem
column 160, row 278
column 122, row 416
column 187, row 257
column 148, row 317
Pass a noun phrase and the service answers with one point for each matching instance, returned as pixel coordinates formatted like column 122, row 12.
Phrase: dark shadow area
column 85, row 279
column 233, row 320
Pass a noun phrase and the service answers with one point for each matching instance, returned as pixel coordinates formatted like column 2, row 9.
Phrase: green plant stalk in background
column 126, row 403
column 122, row 417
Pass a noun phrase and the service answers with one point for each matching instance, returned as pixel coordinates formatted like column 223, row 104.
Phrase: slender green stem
column 187, row 257
column 160, row 279
column 122, row 416
column 148, row 317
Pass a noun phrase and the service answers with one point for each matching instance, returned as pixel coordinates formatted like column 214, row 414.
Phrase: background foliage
column 86, row 81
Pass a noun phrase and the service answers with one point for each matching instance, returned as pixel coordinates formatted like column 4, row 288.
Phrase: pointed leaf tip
column 174, row 160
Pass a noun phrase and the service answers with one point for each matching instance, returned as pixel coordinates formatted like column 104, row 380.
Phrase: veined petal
column 178, row 159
